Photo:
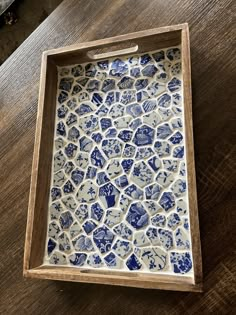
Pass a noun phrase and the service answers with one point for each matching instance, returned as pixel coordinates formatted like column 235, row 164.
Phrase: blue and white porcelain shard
column 64, row 243
column 83, row 243
column 97, row 137
column 166, row 238
column 59, row 179
column 153, row 191
column 149, row 105
column 137, row 216
column 103, row 239
column 102, row 111
column 82, row 212
column 125, row 135
column 97, row 159
column 88, row 124
column 77, row 259
column 59, row 143
column 57, row 258
column 125, row 83
column 155, row 258
column 162, row 148
column 113, row 217
column 143, row 153
column 134, row 192
column 122, row 122
column 69, row 202
column 117, row 110
column 55, row 210
column 119, row 190
column 181, row 262
column 65, row 220
column 123, row 231
column 112, row 147
column 122, row 181
column 135, row 110
column 155, row 163
column 173, row 220
column 59, row 161
column 153, row 236
column 68, row 167
column 87, row 192
column 127, row 164
column 181, row 239
column 112, row 261
column 118, row 68
column 140, row 239
column 89, row 226
column 167, row 200
column 141, row 174
column 133, row 263
column 144, row 136
column 73, row 134
column 124, row 203
column 70, row 150
column 179, row 187
column 164, row 178
column 158, row 220
column 91, row 172
column 102, row 178
column 111, row 133
column 122, row 248
column 75, row 230
column 152, row 119
column 53, row 230
column 181, row 206
column 105, row 123
column 114, row 168
column 108, row 195
column 51, row 246
column 95, row 261
column 84, row 109
column 152, row 206
column 129, row 150
column 182, row 169
column 77, row 176
column 96, row 211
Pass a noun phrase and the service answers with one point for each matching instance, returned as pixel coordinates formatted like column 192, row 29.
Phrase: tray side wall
column 41, row 167
column 191, row 175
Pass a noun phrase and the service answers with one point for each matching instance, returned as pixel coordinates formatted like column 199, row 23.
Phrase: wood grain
column 213, row 78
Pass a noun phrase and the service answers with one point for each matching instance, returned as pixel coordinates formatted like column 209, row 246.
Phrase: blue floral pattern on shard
column 103, row 239
column 181, row 262
column 112, row 147
column 154, row 258
column 78, row 259
column 119, row 190
column 108, row 195
column 137, row 216
column 144, row 136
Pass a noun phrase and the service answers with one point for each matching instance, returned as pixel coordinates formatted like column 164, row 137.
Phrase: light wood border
column 40, row 180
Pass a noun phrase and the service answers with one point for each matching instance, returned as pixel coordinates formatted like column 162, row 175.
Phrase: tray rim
column 167, row 282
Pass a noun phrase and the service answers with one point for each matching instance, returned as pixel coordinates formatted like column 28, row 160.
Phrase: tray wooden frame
column 140, row 42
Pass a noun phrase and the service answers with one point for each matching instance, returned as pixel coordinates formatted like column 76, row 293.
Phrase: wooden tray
column 113, row 193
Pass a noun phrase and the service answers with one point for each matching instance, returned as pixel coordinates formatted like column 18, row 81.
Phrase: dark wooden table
column 213, row 75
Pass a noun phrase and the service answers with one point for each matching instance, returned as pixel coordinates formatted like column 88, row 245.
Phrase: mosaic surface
column 118, row 196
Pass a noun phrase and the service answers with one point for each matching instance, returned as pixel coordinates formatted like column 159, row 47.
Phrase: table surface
column 213, row 80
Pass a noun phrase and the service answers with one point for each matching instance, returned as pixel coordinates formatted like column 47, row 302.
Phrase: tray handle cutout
column 112, row 51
